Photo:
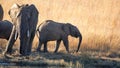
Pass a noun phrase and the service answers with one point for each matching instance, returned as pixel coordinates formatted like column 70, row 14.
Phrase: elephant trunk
column 80, row 40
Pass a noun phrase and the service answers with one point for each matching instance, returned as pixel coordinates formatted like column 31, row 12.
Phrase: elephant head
column 20, row 16
column 24, row 18
column 74, row 32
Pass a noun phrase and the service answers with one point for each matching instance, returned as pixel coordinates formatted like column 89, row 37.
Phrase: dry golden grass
column 97, row 20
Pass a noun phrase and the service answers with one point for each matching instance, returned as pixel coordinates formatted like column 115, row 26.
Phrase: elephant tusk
column 15, row 35
column 28, row 33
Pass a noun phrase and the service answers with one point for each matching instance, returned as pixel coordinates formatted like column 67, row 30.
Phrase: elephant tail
column 38, row 30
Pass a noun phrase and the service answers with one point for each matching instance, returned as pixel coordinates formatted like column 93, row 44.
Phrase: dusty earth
column 60, row 59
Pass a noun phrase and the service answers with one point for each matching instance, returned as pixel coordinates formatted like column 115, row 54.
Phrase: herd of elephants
column 24, row 24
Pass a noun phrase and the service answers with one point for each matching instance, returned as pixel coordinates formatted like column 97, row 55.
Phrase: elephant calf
column 50, row 30
column 5, row 29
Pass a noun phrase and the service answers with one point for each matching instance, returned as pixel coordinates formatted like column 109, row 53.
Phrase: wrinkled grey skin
column 50, row 30
column 24, row 20
column 1, row 13
column 5, row 29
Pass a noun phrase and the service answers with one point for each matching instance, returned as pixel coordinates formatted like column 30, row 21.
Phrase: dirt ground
column 60, row 59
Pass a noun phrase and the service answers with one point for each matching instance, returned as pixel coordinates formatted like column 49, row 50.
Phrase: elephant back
column 5, row 29
column 49, row 26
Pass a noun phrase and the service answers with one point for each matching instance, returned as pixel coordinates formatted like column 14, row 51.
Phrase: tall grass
column 97, row 20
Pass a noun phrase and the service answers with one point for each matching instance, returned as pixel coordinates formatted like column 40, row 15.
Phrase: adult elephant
column 24, row 18
column 50, row 30
column 5, row 29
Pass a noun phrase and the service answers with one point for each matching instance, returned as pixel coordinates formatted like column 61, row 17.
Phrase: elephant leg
column 45, row 47
column 65, row 41
column 29, row 47
column 39, row 46
column 11, row 41
column 57, row 45
column 23, row 46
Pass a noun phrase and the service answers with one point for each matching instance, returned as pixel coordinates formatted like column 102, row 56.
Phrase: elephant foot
column 38, row 50
column 46, row 51
column 55, row 51
column 7, row 55
column 24, row 53
column 68, row 52
column 6, row 52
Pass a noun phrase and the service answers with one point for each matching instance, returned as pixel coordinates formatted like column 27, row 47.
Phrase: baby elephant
column 5, row 29
column 50, row 31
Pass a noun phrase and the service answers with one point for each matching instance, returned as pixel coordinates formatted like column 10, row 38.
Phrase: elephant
column 25, row 19
column 5, row 29
column 1, row 13
column 50, row 30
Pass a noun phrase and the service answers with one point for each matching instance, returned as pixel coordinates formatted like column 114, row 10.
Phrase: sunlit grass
column 97, row 20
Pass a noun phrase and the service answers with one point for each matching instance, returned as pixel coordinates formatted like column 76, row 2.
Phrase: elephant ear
column 14, row 11
column 66, row 28
column 1, row 12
